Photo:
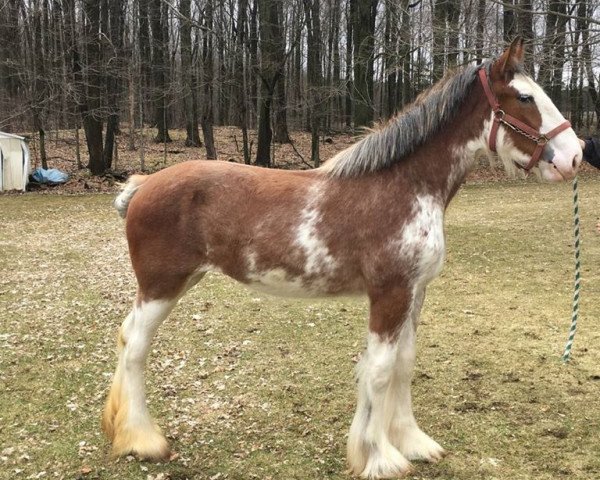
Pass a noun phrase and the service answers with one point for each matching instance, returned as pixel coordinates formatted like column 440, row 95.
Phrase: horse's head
column 527, row 130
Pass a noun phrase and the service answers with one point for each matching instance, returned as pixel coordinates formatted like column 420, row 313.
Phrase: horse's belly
column 280, row 283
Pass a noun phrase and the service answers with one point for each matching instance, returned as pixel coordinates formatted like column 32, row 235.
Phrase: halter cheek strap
column 501, row 117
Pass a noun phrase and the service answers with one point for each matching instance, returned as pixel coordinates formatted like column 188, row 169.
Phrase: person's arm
column 591, row 151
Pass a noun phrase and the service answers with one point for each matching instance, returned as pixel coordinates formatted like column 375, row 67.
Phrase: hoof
column 416, row 445
column 389, row 464
column 146, row 444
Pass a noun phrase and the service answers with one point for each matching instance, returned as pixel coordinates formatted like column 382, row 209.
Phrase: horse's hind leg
column 126, row 420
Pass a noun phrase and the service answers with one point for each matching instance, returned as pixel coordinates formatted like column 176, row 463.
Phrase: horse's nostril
column 575, row 161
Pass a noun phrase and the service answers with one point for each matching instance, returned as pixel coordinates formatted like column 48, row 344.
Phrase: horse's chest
column 421, row 243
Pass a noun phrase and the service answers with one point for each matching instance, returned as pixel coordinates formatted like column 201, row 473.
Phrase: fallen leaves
column 254, row 388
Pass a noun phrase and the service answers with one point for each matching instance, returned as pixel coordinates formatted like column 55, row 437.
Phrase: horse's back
column 222, row 182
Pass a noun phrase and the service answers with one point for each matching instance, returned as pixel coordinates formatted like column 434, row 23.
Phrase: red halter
column 500, row 116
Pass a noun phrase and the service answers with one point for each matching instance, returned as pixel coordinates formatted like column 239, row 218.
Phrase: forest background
column 105, row 74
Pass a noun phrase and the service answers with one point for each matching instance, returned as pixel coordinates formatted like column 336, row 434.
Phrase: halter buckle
column 499, row 115
column 542, row 139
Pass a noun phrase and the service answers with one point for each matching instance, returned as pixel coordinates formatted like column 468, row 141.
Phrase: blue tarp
column 51, row 175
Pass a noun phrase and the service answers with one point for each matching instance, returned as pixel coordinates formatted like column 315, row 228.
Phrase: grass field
column 251, row 387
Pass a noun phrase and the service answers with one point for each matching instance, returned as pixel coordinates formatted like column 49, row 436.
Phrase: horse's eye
column 525, row 98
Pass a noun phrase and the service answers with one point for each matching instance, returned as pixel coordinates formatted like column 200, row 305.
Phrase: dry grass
column 250, row 387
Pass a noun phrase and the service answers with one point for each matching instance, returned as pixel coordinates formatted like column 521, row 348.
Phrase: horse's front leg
column 371, row 452
column 405, row 433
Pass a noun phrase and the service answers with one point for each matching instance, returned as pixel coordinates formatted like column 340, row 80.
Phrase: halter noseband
column 500, row 116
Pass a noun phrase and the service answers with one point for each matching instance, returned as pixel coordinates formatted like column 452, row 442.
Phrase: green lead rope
column 567, row 354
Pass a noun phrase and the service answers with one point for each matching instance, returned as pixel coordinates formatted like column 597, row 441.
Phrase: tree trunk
column 313, row 25
column 363, row 30
column 38, row 81
column 158, row 23
column 480, row 29
column 509, row 21
column 131, row 104
column 92, row 120
column 207, row 111
column 253, row 47
column 390, row 38
column 575, row 91
column 526, row 30
column 439, row 38
column 263, row 149
column 191, row 114
column 270, row 72
column 145, row 52
column 281, row 134
column 114, row 69
column 559, row 53
column 405, row 54
column 453, row 12
column 587, row 61
column 241, row 77
column 349, row 55
column 335, row 85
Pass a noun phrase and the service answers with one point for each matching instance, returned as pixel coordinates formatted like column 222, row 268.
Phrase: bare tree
column 270, row 64
column 241, row 67
column 363, row 30
column 313, row 26
column 159, row 27
column 189, row 79
column 270, row 72
column 207, row 81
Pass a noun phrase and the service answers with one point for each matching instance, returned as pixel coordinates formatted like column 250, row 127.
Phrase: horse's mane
column 415, row 124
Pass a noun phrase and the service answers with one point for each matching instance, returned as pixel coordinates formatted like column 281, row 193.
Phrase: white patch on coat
column 466, row 156
column 318, row 259
column 207, row 267
column 421, row 239
column 318, row 265
column 279, row 283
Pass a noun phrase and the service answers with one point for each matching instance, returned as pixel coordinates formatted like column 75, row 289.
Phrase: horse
column 370, row 221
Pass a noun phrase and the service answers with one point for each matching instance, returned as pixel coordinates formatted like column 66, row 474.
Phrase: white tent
column 14, row 162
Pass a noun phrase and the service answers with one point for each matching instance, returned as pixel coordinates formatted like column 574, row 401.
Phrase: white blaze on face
column 564, row 149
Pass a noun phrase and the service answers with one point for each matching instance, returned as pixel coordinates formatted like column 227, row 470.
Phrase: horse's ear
column 511, row 60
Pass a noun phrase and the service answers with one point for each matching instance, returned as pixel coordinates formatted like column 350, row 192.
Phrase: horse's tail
column 121, row 203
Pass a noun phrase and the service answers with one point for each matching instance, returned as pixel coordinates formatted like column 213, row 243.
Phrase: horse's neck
column 440, row 166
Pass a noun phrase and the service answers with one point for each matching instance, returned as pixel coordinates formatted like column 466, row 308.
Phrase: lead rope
column 567, row 354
